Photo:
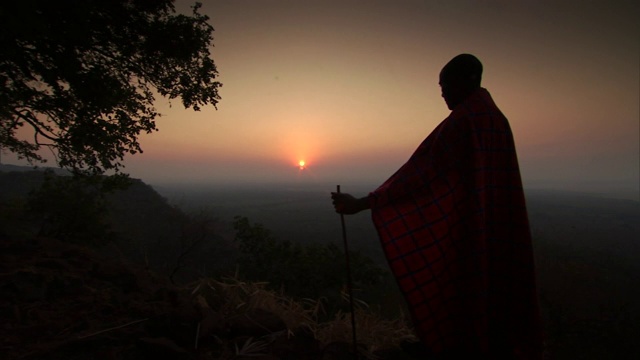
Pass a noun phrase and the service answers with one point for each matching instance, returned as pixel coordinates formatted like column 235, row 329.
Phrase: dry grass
column 373, row 332
column 232, row 297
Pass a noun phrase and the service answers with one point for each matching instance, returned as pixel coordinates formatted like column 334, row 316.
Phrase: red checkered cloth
column 454, row 227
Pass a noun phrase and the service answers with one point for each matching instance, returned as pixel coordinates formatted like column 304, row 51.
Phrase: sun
column 301, row 164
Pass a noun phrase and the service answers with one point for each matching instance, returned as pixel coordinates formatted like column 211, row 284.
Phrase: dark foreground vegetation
column 90, row 269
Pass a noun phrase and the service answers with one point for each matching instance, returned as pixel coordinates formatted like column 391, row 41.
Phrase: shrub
column 307, row 271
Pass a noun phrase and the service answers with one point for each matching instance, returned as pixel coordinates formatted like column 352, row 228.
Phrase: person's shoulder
column 480, row 104
column 480, row 100
column 458, row 120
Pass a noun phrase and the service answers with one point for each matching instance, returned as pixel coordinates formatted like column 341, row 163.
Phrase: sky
column 351, row 88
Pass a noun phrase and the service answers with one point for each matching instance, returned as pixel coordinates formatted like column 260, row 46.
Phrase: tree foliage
column 311, row 270
column 71, row 209
column 81, row 75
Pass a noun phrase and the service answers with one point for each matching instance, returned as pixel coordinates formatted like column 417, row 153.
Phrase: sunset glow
column 352, row 89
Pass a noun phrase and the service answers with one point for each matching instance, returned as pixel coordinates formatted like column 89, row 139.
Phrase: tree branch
column 34, row 124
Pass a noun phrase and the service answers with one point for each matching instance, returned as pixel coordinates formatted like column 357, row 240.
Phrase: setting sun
column 301, row 164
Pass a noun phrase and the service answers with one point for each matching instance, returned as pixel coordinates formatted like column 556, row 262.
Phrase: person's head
column 459, row 78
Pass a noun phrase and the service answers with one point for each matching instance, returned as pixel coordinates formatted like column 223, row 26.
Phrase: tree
column 82, row 75
column 307, row 271
column 70, row 209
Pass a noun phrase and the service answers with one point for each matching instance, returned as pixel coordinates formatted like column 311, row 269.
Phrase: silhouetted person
column 453, row 225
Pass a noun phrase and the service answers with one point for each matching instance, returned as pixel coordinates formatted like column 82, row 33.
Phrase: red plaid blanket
column 453, row 224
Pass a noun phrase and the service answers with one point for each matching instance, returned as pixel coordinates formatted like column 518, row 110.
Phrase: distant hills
column 19, row 168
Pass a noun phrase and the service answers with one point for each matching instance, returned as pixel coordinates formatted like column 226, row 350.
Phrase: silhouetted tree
column 82, row 75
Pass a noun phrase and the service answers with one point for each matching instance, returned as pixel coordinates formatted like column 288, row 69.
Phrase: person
column 453, row 225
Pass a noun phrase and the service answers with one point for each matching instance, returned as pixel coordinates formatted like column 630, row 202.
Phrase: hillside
column 64, row 301
column 144, row 227
column 586, row 251
column 79, row 301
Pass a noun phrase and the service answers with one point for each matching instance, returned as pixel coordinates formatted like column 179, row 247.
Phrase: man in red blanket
column 454, row 227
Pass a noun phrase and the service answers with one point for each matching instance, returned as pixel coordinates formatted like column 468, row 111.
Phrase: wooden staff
column 349, row 284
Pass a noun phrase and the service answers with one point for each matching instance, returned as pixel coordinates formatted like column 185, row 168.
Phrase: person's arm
column 347, row 204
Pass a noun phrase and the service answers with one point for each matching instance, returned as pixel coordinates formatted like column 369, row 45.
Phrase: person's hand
column 347, row 204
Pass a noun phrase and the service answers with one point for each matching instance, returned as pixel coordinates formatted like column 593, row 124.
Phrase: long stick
column 349, row 285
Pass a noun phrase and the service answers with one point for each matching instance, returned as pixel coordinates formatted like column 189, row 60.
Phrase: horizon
column 356, row 187
column 352, row 90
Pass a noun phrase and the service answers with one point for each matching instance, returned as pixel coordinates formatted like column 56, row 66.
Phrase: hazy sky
column 351, row 87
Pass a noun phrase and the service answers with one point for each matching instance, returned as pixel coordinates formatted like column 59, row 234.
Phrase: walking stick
column 349, row 285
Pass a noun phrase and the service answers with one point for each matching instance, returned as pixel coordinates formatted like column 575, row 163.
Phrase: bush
column 307, row 271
